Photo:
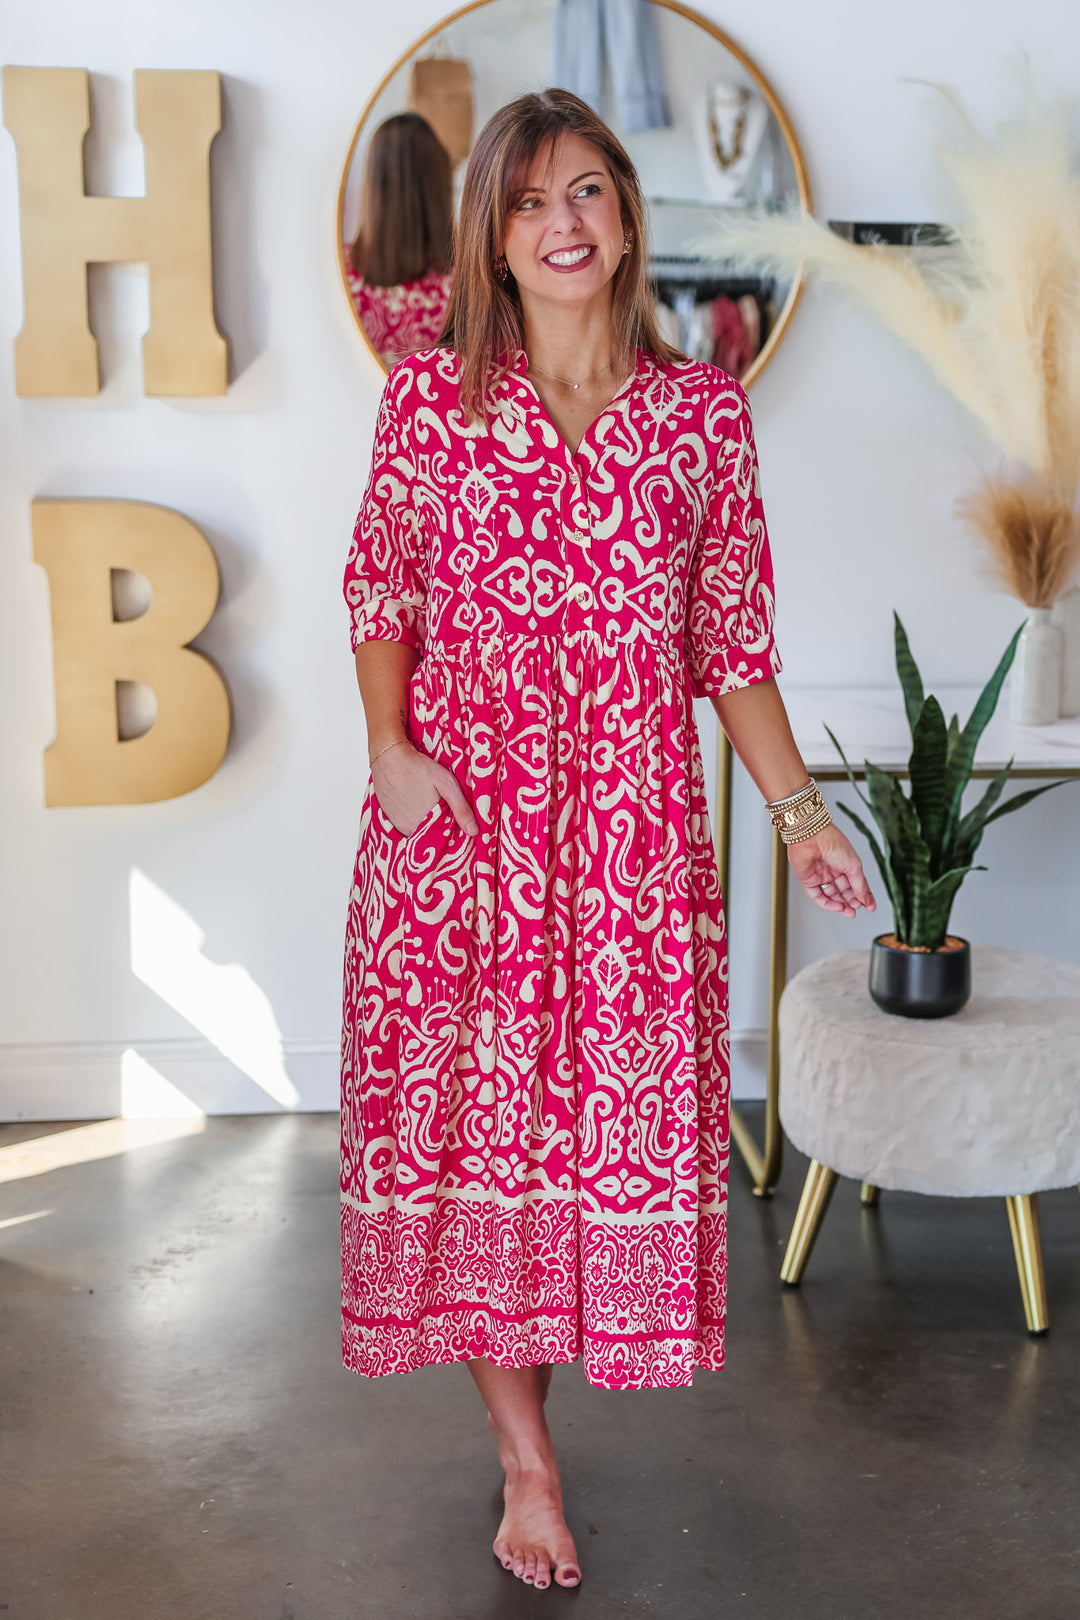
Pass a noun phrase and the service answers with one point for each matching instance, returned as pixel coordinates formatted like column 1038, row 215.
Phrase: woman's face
column 564, row 230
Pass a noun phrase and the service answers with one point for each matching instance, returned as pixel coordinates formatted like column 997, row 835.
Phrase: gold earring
column 627, row 242
column 501, row 267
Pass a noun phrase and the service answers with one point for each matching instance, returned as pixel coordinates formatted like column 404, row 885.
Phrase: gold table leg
column 764, row 1167
column 1027, row 1246
column 818, row 1188
column 870, row 1195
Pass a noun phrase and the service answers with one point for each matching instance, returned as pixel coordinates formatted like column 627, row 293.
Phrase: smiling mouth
column 570, row 258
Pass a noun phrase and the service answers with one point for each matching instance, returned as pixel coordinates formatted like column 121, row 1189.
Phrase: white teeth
column 569, row 255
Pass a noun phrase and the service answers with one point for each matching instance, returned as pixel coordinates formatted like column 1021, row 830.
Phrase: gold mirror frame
column 758, row 364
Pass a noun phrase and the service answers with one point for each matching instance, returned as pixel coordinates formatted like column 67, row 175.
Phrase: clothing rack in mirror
column 707, row 278
column 705, row 289
column 688, row 286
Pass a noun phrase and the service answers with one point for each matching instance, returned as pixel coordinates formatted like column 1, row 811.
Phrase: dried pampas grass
column 1032, row 536
column 994, row 313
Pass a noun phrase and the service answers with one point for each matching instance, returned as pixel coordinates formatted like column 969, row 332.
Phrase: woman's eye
column 591, row 189
column 528, row 203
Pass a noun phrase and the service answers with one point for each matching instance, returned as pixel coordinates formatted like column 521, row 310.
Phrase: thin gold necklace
column 565, row 380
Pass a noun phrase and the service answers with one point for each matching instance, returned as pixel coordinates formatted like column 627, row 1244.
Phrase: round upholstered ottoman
column 985, row 1103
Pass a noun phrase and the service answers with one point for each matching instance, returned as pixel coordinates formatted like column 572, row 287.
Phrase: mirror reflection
column 398, row 263
column 699, row 121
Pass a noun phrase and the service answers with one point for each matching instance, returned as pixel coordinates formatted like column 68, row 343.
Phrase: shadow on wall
column 245, row 608
column 241, row 294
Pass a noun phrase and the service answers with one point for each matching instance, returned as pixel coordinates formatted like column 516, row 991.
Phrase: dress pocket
column 425, row 821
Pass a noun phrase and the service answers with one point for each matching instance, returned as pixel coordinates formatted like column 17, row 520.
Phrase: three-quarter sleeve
column 730, row 604
column 386, row 572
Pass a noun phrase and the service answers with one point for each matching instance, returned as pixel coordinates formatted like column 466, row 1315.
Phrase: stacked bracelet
column 385, row 750
column 802, row 815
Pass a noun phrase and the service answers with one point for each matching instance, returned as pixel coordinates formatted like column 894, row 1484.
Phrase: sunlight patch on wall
column 146, row 1094
column 221, row 1000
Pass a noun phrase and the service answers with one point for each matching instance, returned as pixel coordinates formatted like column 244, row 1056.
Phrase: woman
column 398, row 266
column 563, row 518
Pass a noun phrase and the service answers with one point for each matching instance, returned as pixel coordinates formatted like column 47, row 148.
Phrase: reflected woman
column 398, row 267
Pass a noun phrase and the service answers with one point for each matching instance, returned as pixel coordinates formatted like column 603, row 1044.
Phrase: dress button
column 582, row 595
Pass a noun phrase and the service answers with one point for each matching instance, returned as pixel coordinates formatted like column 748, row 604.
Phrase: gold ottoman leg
column 1027, row 1246
column 817, row 1191
column 870, row 1195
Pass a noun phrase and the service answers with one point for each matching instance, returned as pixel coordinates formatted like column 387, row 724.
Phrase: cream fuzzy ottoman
column 985, row 1103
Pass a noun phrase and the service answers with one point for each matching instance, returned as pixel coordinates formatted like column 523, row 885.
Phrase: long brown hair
column 406, row 205
column 484, row 321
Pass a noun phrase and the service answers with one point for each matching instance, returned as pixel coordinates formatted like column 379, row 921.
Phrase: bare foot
column 533, row 1537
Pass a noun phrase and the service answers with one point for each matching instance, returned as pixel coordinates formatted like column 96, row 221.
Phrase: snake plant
column 927, row 840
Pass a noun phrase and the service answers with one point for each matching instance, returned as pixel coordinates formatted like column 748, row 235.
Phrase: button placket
column 580, row 591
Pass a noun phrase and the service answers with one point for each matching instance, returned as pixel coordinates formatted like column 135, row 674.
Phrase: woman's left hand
column 831, row 872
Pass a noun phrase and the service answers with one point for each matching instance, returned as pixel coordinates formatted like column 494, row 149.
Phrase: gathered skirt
column 534, row 1076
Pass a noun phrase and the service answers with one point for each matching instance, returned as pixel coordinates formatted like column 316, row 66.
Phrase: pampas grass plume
column 1032, row 537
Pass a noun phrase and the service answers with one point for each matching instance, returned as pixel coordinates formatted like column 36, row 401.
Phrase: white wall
column 862, row 458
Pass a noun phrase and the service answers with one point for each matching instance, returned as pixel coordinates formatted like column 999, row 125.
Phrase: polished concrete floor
column 179, row 1438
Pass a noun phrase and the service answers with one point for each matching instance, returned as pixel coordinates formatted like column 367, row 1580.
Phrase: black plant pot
column 919, row 984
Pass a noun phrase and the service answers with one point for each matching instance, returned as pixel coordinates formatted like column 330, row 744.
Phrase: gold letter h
column 177, row 114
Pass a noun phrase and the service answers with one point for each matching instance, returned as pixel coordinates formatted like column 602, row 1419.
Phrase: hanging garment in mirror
column 440, row 90
column 595, row 36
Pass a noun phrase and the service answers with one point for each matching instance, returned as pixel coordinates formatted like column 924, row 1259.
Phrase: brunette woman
column 398, row 267
column 562, row 544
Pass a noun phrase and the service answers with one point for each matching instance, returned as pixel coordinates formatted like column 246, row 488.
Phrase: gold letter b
column 78, row 543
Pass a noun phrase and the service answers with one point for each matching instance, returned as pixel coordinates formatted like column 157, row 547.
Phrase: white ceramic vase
column 1066, row 615
column 1036, row 671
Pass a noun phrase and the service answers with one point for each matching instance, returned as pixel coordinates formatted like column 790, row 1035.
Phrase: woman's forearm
column 757, row 725
column 383, row 672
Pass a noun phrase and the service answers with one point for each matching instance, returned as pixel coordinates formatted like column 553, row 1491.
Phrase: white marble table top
column 870, row 723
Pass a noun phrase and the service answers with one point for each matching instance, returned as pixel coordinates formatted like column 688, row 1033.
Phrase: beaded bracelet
column 793, row 798
column 801, row 815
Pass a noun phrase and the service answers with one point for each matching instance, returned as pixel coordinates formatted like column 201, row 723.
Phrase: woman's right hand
column 409, row 784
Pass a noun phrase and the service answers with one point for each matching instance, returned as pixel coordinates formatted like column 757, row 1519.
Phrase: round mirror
column 700, row 121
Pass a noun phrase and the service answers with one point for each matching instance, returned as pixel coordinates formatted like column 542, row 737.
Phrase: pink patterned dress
column 534, row 1099
column 400, row 320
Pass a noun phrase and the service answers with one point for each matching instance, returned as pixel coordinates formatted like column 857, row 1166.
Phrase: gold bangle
column 792, row 798
column 801, row 816
column 794, row 815
column 797, row 835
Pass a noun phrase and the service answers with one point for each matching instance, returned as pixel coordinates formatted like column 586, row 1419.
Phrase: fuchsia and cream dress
column 534, row 1083
column 399, row 320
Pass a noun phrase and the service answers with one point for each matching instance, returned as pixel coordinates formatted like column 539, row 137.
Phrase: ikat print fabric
column 534, row 1076
column 400, row 320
